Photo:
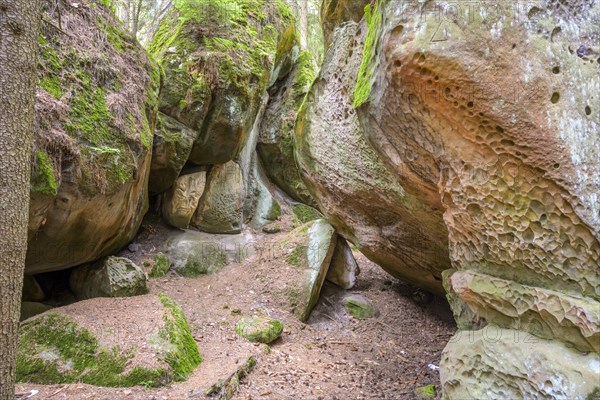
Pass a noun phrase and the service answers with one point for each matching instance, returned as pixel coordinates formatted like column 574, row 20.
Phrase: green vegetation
column 240, row 35
column 203, row 263
column 160, row 266
column 306, row 213
column 183, row 356
column 120, row 40
column 426, row 392
column 51, row 84
column 362, row 89
column 42, row 175
column 260, row 330
column 89, row 115
column 54, row 349
column 297, row 257
column 306, row 72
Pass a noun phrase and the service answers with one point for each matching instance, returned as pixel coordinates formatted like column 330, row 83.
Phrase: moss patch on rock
column 183, row 356
column 260, row 330
column 306, row 213
column 368, row 65
column 91, row 103
column 54, row 349
column 42, row 175
column 359, row 307
column 160, row 265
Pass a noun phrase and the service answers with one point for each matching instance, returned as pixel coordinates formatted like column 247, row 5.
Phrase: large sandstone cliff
column 438, row 137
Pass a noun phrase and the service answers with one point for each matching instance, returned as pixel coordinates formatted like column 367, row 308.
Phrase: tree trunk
column 136, row 17
column 304, row 24
column 19, row 32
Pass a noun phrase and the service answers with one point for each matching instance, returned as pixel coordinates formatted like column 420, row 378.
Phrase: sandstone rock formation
column 221, row 207
column 469, row 140
column 216, row 75
column 180, row 202
column 95, row 112
column 343, row 268
column 313, row 246
column 495, row 363
column 275, row 144
column 170, row 151
column 400, row 229
column 112, row 277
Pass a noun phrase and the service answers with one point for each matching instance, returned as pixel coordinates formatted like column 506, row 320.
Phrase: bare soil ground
column 333, row 356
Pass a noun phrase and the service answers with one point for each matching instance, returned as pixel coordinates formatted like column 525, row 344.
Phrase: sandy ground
column 333, row 356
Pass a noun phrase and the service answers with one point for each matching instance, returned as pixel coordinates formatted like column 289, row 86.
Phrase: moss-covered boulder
column 159, row 266
column 260, row 330
column 359, row 306
column 218, row 58
column 95, row 111
column 276, row 145
column 221, row 207
column 194, row 253
column 150, row 344
column 170, row 151
column 112, row 277
column 310, row 249
column 179, row 203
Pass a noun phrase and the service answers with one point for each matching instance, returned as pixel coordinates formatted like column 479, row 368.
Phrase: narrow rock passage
column 333, row 356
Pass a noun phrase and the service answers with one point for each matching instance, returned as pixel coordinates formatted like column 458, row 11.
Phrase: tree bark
column 136, row 17
column 19, row 32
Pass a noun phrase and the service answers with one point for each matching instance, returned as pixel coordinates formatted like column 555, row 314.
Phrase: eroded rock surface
column 495, row 363
column 180, row 202
column 474, row 144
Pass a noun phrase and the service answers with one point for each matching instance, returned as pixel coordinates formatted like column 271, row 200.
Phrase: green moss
column 274, row 211
column 359, row 307
column 425, row 392
column 362, row 89
column 199, row 264
column 42, row 175
column 54, row 349
column 594, row 395
column 297, row 257
column 260, row 330
column 242, row 41
column 306, row 72
column 118, row 38
column 89, row 116
column 51, row 84
column 184, row 356
column 160, row 266
column 306, row 213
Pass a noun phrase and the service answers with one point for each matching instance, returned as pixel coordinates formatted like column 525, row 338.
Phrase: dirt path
column 333, row 356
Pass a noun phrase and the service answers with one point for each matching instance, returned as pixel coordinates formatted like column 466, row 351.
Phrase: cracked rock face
column 438, row 138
